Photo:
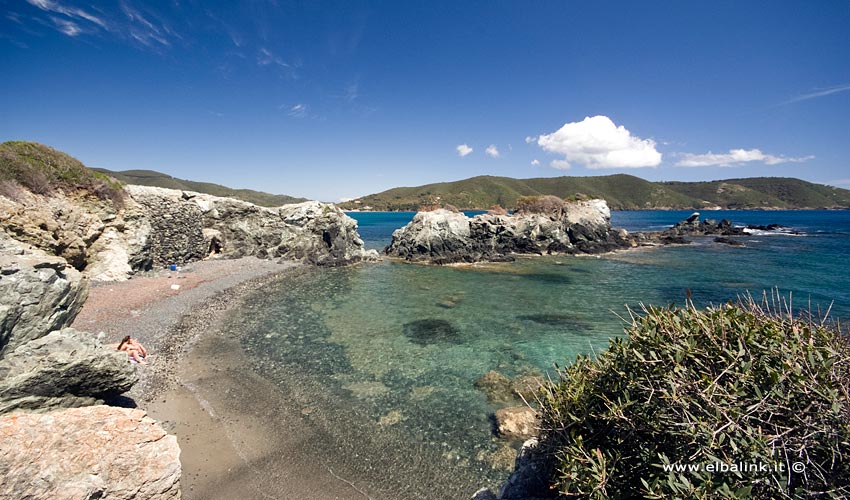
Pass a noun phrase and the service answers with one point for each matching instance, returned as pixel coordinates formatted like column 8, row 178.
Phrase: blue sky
column 332, row 100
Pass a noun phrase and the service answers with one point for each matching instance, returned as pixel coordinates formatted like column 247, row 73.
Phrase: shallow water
column 385, row 356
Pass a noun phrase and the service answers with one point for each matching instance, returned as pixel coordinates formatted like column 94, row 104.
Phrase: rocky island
column 545, row 225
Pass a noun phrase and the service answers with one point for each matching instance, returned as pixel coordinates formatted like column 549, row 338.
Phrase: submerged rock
column 728, row 241
column 496, row 387
column 430, row 331
column 574, row 324
column 86, row 453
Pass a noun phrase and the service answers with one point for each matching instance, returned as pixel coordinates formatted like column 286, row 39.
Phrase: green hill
column 623, row 192
column 158, row 179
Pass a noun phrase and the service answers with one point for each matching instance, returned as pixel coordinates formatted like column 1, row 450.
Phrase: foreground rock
column 85, row 453
column 517, row 422
column 444, row 236
column 62, row 369
column 38, row 293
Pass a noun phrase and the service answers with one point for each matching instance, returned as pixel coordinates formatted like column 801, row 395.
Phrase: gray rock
column 85, row 453
column 62, row 369
column 190, row 226
column 530, row 479
column 38, row 293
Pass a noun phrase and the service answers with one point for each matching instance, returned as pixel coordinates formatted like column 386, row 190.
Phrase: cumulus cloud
column 560, row 164
column 492, row 151
column 463, row 150
column 535, row 162
column 596, row 142
column 735, row 157
column 529, row 139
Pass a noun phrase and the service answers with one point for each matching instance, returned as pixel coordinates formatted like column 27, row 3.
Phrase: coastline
column 199, row 385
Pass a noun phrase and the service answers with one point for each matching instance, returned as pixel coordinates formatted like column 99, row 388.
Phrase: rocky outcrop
column 39, row 293
column 84, row 453
column 62, row 369
column 156, row 227
column 443, row 236
column 693, row 226
column 318, row 233
column 530, row 479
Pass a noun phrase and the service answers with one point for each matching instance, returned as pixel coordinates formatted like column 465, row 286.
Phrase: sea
column 384, row 357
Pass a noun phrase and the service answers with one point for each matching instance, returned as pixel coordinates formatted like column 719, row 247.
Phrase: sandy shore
column 236, row 441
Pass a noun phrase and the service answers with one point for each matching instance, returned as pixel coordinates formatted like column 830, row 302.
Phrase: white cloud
column 735, row 157
column 69, row 28
column 560, row 164
column 492, row 151
column 529, row 139
column 463, row 150
column 51, row 6
column 266, row 57
column 345, row 199
column 298, row 111
column 838, row 182
column 596, row 142
column 818, row 93
column 535, row 162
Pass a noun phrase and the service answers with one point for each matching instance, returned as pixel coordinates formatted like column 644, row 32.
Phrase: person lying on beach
column 134, row 349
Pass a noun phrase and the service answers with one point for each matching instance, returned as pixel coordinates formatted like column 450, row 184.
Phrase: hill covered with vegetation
column 43, row 170
column 158, row 179
column 621, row 191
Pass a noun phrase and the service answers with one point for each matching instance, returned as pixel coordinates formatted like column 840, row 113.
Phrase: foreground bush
column 730, row 386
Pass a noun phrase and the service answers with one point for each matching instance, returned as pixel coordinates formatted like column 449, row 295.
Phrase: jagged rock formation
column 63, row 369
column 443, row 236
column 39, row 293
column 157, row 226
column 84, row 453
column 311, row 231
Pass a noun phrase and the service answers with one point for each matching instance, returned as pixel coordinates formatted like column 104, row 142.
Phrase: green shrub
column 43, row 170
column 546, row 204
column 734, row 384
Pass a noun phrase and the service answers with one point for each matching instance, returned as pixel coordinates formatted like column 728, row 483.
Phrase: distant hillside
column 158, row 179
column 623, row 192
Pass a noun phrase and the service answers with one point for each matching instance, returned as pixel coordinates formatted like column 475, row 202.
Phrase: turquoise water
column 386, row 355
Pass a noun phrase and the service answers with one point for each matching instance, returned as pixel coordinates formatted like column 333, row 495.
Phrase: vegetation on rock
column 746, row 385
column 43, row 170
column 158, row 179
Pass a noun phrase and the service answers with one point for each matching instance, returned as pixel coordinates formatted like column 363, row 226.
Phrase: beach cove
column 308, row 373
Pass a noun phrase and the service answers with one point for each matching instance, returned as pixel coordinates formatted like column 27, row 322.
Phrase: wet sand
column 240, row 436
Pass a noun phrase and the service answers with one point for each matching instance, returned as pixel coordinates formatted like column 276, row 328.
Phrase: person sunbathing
column 134, row 349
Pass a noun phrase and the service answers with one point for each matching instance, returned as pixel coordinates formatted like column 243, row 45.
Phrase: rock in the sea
column 728, row 241
column 62, row 369
column 85, row 453
column 496, row 387
column 429, row 331
column 38, row 293
column 517, row 422
column 444, row 236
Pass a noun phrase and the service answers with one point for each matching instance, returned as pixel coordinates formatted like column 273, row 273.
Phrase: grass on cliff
column 742, row 383
column 44, row 170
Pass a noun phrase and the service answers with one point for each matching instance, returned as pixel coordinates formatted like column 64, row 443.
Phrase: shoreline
column 199, row 385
